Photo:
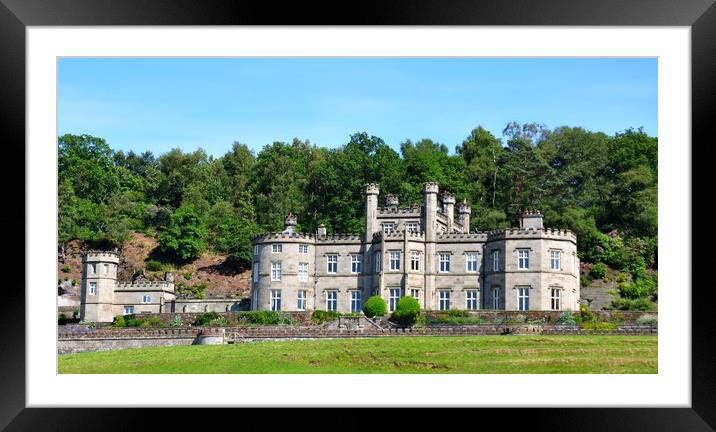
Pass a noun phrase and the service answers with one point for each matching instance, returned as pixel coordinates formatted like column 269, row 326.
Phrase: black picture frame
column 16, row 15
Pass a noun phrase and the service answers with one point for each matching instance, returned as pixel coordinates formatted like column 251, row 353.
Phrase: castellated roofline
column 517, row 233
column 371, row 189
column 448, row 197
column 100, row 255
column 430, row 187
column 144, row 285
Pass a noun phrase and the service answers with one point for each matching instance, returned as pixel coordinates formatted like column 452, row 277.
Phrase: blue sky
column 159, row 104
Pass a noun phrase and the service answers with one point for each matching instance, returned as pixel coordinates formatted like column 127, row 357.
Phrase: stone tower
column 430, row 209
column 371, row 191
column 464, row 211
column 99, row 280
column 449, row 209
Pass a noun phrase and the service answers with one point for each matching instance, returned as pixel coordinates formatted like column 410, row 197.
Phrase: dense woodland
column 602, row 187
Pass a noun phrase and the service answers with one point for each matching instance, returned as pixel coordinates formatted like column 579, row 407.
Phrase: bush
column 642, row 304
column 641, row 287
column 187, row 275
column 321, row 316
column 66, row 268
column 176, row 322
column 75, row 312
column 647, row 319
column 455, row 313
column 566, row 319
column 263, row 317
column 586, row 315
column 585, row 280
column 375, row 306
column 599, row 270
column 154, row 266
column 151, row 321
column 599, row 326
column 62, row 319
column 205, row 319
column 119, row 321
column 407, row 311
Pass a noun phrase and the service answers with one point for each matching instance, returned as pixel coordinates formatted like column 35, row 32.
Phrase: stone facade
column 426, row 252
column 102, row 297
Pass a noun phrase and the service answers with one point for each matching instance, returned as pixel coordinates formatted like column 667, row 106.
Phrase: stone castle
column 420, row 251
column 423, row 252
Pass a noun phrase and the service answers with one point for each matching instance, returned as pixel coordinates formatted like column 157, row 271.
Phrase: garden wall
column 79, row 338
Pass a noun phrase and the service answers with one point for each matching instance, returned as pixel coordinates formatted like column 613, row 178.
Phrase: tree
column 87, row 163
column 185, row 236
column 229, row 233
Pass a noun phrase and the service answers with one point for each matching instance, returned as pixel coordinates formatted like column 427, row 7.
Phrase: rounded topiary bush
column 407, row 311
column 375, row 306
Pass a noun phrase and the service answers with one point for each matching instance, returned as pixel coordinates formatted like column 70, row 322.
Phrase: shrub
column 176, row 322
column 321, row 316
column 132, row 322
column 187, row 275
column 66, row 268
column 154, row 266
column 647, row 319
column 205, row 318
column 641, row 287
column 151, row 321
column 586, row 314
column 75, row 312
column 622, row 277
column 119, row 321
column 264, row 317
column 599, row 326
column 567, row 319
column 375, row 306
column 642, row 304
column 599, row 270
column 585, row 280
column 62, row 319
column 407, row 311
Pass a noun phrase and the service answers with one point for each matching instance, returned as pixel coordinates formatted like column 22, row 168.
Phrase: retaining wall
column 79, row 339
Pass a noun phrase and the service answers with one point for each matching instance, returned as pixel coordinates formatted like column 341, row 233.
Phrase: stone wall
column 105, row 339
column 78, row 339
column 629, row 317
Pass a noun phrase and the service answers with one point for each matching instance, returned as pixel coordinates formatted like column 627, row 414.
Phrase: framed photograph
column 37, row 35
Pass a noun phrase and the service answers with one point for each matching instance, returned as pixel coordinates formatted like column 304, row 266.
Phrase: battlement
column 282, row 236
column 146, row 285
column 462, row 237
column 518, row 233
column 371, row 189
column 448, row 197
column 412, row 211
column 340, row 238
column 99, row 255
column 430, row 187
column 400, row 235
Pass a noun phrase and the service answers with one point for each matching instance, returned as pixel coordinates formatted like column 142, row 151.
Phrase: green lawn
column 476, row 354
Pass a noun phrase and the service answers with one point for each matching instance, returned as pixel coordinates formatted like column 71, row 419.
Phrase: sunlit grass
column 463, row 354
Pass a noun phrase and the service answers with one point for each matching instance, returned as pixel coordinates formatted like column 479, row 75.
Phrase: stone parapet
column 283, row 237
column 518, row 233
column 145, row 285
column 411, row 211
column 99, row 255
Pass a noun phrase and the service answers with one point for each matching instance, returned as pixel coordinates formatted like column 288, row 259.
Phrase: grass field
column 479, row 354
